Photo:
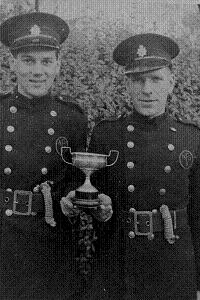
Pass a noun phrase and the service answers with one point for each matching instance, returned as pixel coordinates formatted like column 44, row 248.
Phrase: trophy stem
column 87, row 179
column 87, row 195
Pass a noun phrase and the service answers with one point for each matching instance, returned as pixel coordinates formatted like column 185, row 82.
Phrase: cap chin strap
column 140, row 70
column 154, row 57
column 35, row 37
column 12, row 49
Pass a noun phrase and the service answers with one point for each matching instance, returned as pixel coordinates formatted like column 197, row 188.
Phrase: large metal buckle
column 149, row 224
column 29, row 205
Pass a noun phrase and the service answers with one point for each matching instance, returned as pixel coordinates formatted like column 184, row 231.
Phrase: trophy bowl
column 87, row 195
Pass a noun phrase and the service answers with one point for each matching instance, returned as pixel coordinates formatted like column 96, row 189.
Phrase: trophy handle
column 113, row 154
column 68, row 153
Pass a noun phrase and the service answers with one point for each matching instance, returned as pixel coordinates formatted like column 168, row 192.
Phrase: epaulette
column 70, row 102
column 109, row 119
column 187, row 122
column 112, row 118
column 116, row 117
column 4, row 94
column 182, row 120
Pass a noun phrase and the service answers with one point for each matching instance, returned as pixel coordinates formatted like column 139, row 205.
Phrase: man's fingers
column 106, row 207
column 70, row 195
column 66, row 202
column 67, row 205
column 104, row 199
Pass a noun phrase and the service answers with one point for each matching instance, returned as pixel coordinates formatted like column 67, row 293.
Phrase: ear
column 172, row 82
column 58, row 65
column 12, row 62
column 127, row 82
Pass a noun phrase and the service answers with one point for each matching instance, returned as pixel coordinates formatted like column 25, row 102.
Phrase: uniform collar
column 32, row 104
column 146, row 121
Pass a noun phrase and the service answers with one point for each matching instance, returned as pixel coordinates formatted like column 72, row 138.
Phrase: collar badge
column 35, row 30
column 142, row 51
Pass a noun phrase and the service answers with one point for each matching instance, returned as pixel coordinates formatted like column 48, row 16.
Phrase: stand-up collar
column 39, row 103
column 147, row 122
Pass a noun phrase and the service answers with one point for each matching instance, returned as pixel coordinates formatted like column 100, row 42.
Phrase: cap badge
column 186, row 159
column 35, row 30
column 142, row 51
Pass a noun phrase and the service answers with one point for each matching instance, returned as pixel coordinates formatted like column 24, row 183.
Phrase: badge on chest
column 186, row 159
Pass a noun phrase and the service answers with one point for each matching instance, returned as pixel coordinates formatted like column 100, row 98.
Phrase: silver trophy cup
column 87, row 195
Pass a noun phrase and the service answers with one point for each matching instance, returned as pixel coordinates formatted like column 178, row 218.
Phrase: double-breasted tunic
column 158, row 165
column 36, row 258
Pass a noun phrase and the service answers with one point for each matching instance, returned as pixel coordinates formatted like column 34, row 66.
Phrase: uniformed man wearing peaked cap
column 145, row 52
column 146, row 248
column 36, row 249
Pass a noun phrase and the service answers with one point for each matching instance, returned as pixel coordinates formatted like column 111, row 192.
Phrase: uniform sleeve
column 76, row 124
column 101, row 179
column 80, row 139
column 194, row 213
column 99, row 142
column 71, row 177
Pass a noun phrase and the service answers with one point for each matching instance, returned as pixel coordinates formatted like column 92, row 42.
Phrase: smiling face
column 35, row 71
column 149, row 91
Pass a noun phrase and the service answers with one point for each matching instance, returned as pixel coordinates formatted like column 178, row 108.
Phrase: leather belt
column 22, row 202
column 147, row 222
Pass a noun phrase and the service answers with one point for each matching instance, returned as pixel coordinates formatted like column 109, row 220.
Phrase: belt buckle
column 15, row 202
column 149, row 234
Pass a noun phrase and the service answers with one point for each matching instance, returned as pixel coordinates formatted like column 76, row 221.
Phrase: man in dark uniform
column 146, row 247
column 36, row 251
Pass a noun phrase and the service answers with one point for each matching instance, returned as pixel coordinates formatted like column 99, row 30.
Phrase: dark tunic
column 153, row 169
column 37, row 260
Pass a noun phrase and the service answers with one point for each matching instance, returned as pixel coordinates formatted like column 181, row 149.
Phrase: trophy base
column 85, row 199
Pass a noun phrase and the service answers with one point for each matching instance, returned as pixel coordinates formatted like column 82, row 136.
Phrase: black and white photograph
column 99, row 150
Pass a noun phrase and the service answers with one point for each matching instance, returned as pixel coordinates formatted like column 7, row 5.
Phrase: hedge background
column 96, row 27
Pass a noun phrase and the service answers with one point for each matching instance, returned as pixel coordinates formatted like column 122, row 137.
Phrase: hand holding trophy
column 87, row 195
column 101, row 213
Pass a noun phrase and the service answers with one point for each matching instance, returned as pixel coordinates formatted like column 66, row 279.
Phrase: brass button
column 48, row 149
column 162, row 192
column 131, row 234
column 13, row 109
column 8, row 148
column 131, row 188
column 167, row 169
column 51, row 131
column 130, row 128
column 130, row 144
column 10, row 128
column 44, row 171
column 53, row 113
column 7, row 171
column 130, row 165
column 173, row 129
column 8, row 212
column 171, row 147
